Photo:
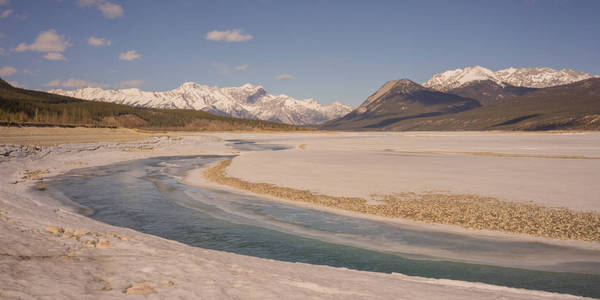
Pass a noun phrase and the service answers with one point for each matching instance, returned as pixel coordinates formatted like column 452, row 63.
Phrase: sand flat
column 49, row 250
column 552, row 170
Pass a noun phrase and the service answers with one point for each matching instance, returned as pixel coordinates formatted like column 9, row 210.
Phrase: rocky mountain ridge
column 247, row 101
column 519, row 77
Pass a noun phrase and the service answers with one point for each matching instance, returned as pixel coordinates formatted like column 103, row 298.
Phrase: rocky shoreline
column 467, row 211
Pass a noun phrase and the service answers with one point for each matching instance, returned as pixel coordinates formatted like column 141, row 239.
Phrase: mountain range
column 477, row 98
column 35, row 108
column 520, row 77
column 473, row 98
column 247, row 101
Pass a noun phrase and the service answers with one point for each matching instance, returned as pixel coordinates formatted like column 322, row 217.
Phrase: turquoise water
column 147, row 195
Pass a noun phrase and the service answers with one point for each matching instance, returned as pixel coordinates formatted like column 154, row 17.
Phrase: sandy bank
column 552, row 170
column 467, row 211
column 49, row 251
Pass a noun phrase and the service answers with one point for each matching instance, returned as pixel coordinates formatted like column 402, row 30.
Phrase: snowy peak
column 521, row 77
column 456, row 78
column 190, row 86
column 540, row 77
column 246, row 101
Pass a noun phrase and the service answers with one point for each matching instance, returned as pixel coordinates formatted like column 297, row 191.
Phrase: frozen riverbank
column 552, row 170
column 58, row 262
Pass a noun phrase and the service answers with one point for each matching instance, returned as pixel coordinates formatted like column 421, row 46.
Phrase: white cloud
column 284, row 77
column 234, row 35
column 54, row 56
column 53, row 83
column 7, row 71
column 88, row 3
column 74, row 83
column 130, row 55
column 111, row 10
column 4, row 2
column 94, row 41
column 242, row 67
column 46, row 41
column 108, row 9
column 16, row 84
column 6, row 13
column 131, row 83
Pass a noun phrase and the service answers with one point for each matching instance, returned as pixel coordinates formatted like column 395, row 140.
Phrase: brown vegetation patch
column 468, row 211
column 87, row 238
column 41, row 186
column 140, row 290
column 127, row 121
column 35, row 174
column 139, row 149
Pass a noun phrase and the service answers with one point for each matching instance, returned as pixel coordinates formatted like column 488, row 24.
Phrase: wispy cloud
column 88, row 3
column 6, row 13
column 222, row 69
column 131, row 83
column 28, row 72
column 7, row 71
column 53, row 83
column 130, row 55
column 46, row 41
column 284, row 77
column 234, row 35
column 96, row 42
column 242, row 67
column 109, row 10
column 74, row 83
column 54, row 56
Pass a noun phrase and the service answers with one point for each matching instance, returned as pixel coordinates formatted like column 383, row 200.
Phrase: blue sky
column 329, row 50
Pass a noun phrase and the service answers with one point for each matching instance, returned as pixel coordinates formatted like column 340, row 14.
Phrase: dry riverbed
column 50, row 251
column 468, row 211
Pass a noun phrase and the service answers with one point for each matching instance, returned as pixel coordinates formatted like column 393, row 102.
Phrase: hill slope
column 575, row 106
column 20, row 106
column 247, row 101
column 488, row 91
column 397, row 101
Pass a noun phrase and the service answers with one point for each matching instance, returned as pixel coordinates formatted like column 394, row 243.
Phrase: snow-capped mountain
column 456, row 78
column 247, row 101
column 521, row 77
column 540, row 77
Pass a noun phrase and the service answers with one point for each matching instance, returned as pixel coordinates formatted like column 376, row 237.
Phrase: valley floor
column 554, row 170
column 49, row 251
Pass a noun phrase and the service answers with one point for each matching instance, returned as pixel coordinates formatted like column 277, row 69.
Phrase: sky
column 329, row 50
